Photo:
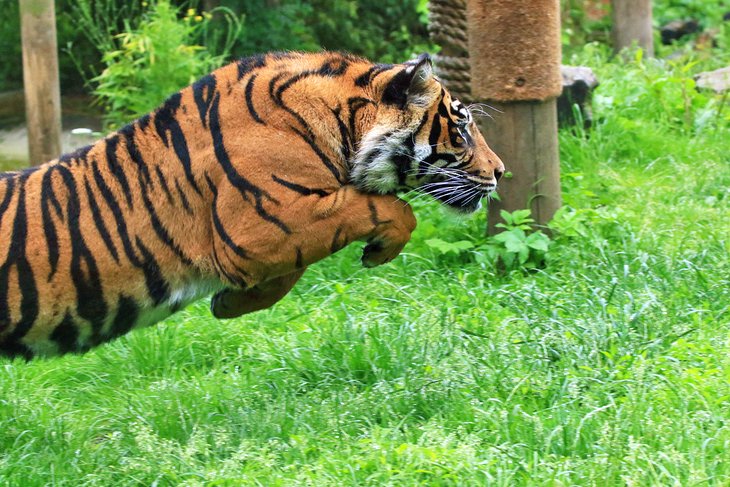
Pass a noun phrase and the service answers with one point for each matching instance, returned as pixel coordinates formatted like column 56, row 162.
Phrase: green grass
column 609, row 366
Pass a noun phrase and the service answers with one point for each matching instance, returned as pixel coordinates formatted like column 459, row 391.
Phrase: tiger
column 231, row 188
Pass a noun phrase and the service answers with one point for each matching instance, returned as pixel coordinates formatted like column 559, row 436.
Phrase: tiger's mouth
column 463, row 195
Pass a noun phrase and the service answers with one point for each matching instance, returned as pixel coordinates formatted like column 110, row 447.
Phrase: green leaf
column 445, row 247
column 538, row 241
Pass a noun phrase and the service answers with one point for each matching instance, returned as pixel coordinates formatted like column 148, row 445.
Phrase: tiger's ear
column 412, row 85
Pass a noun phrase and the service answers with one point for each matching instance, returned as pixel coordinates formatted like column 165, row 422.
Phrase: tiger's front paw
column 377, row 253
column 394, row 221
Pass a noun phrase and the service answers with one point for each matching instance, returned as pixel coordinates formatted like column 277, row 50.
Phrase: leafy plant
column 445, row 248
column 519, row 246
column 155, row 59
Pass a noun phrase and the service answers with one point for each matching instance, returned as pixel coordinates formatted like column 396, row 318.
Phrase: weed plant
column 606, row 364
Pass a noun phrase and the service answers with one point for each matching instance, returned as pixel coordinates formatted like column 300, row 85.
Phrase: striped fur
column 233, row 186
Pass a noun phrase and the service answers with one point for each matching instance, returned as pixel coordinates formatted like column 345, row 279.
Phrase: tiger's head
column 421, row 138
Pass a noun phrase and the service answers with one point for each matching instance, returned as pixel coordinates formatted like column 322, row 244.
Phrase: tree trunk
column 632, row 23
column 40, row 80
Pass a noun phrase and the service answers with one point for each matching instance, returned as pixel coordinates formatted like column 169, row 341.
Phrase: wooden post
column 514, row 51
column 40, row 80
column 632, row 22
column 525, row 136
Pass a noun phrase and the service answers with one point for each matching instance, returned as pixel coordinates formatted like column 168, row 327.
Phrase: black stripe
column 156, row 286
column 9, row 187
column 134, row 153
column 334, row 67
column 336, row 244
column 144, row 121
column 243, row 186
column 160, row 229
column 48, row 196
column 66, row 335
column 116, row 168
column 300, row 259
column 249, row 99
column 163, row 184
column 277, row 100
column 79, row 155
column 322, row 156
column 16, row 256
column 345, row 139
column 183, row 198
column 272, row 84
column 303, row 190
column 246, row 65
column 236, row 280
column 127, row 314
column 90, row 304
column 203, row 91
column 331, row 68
column 166, row 122
column 354, row 104
column 219, row 228
column 368, row 76
column 99, row 222
column 374, row 214
column 435, row 133
column 121, row 223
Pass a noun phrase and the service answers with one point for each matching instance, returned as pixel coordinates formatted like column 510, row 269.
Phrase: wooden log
column 525, row 136
column 632, row 24
column 40, row 79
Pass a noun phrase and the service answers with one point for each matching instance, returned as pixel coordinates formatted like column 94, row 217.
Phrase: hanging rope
column 447, row 28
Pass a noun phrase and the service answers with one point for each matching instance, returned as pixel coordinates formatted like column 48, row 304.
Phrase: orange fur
column 233, row 187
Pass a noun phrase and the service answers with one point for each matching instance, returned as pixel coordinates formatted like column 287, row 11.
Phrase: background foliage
column 387, row 30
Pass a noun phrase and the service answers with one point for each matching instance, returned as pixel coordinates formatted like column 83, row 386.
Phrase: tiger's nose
column 498, row 174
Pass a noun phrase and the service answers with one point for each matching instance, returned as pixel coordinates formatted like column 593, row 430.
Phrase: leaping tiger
column 233, row 186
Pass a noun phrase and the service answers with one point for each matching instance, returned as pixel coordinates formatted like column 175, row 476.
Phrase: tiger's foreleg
column 317, row 226
column 385, row 222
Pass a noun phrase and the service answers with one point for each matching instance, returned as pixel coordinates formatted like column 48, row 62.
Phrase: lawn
column 609, row 364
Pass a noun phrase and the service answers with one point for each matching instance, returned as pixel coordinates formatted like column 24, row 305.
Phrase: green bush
column 11, row 72
column 387, row 31
column 153, row 60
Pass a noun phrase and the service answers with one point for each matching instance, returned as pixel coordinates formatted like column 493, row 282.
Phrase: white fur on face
column 378, row 173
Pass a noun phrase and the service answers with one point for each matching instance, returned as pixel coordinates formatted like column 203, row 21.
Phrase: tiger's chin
column 463, row 209
column 461, row 205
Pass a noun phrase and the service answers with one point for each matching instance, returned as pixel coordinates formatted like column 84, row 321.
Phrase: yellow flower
column 191, row 12
column 198, row 18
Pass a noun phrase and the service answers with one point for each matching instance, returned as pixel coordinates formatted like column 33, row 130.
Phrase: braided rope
column 447, row 25
column 448, row 28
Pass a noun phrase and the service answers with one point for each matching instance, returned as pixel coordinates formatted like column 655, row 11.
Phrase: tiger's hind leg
column 232, row 303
